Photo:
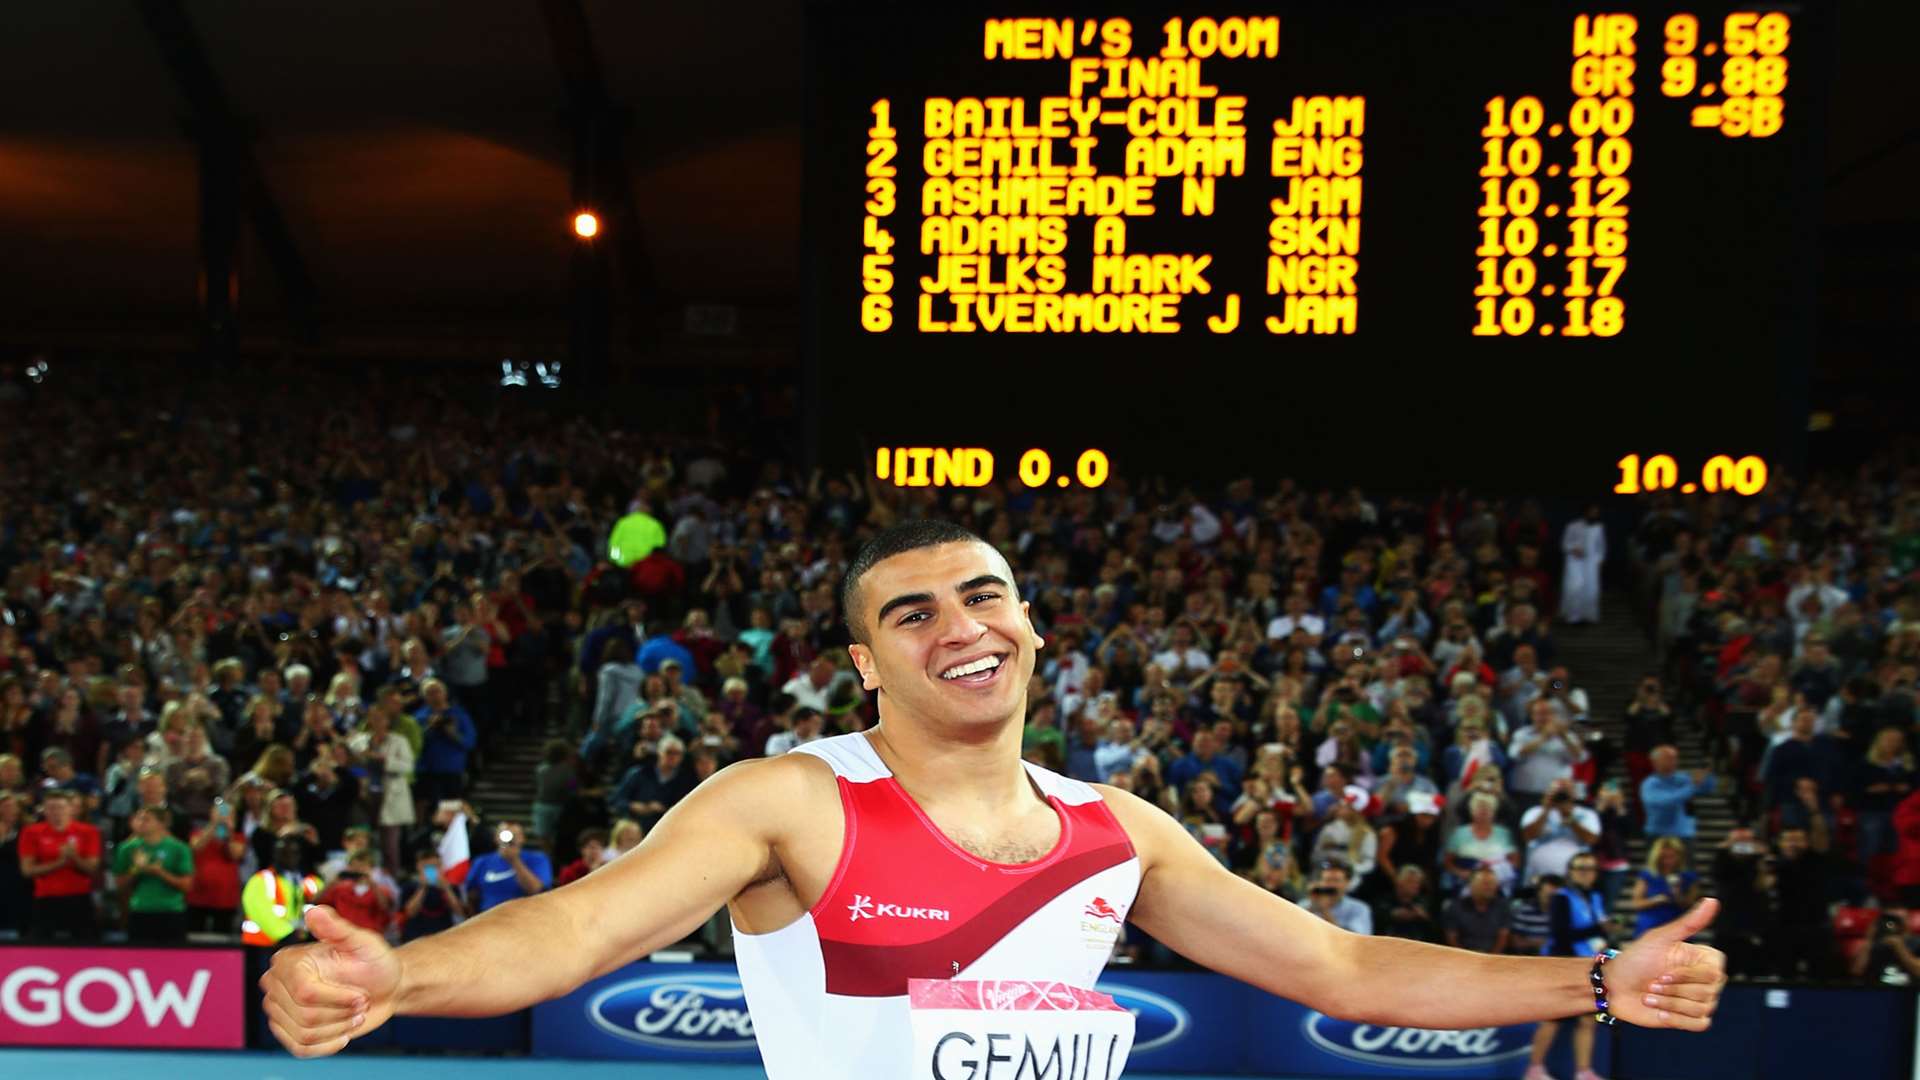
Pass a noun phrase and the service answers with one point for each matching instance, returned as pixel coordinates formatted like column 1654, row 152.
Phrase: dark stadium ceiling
column 418, row 155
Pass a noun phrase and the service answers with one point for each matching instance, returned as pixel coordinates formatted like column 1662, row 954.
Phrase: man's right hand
column 319, row 996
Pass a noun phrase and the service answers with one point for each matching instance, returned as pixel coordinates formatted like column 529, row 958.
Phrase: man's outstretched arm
column 702, row 854
column 1192, row 904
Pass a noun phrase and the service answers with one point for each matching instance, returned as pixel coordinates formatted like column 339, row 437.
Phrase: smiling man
column 926, row 849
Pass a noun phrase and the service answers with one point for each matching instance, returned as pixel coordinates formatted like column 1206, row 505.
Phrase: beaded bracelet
column 1600, row 985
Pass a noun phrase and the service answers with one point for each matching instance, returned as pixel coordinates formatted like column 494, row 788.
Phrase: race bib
column 1015, row 1029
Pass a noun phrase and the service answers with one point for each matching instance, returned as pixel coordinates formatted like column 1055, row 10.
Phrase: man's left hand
column 1661, row 981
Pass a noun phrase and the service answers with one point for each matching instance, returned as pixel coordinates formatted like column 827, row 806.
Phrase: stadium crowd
column 239, row 633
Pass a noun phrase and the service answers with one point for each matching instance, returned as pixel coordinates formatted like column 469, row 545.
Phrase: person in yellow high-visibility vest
column 274, row 902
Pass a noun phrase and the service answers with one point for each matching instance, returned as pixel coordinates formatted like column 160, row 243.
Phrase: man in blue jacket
column 448, row 737
column 1664, row 794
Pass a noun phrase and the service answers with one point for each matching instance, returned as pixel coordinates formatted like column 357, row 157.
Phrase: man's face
column 153, row 789
column 591, row 852
column 1203, row 743
column 934, row 611
column 1793, row 843
column 1333, row 877
column 59, row 811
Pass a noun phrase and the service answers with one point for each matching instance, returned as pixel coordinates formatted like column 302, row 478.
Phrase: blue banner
column 1285, row 1036
column 1182, row 1022
column 651, row 1012
column 1205, row 1023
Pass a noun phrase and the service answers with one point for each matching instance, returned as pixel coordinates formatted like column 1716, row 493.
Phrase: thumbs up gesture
column 1661, row 981
column 319, row 996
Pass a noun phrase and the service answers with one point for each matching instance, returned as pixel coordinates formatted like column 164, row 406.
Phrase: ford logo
column 1157, row 1021
column 678, row 1012
column 1417, row 1048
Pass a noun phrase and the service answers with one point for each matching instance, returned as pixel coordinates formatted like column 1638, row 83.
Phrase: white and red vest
column 828, row 992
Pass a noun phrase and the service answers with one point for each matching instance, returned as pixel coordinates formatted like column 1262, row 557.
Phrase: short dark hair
column 885, row 544
column 590, row 836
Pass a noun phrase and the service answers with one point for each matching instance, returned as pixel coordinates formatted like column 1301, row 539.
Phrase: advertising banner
column 153, row 998
column 651, row 1012
column 1287, row 1036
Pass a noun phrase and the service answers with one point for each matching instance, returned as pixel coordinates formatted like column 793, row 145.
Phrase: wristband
column 1598, row 977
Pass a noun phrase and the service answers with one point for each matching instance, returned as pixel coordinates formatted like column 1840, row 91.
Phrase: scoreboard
column 1531, row 246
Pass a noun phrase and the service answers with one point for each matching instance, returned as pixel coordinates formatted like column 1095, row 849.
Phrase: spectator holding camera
column 1327, row 897
column 448, row 737
column 1889, row 957
column 509, row 872
column 1556, row 830
column 431, row 903
column 1543, row 752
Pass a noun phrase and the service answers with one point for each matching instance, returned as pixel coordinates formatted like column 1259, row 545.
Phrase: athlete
column 927, row 849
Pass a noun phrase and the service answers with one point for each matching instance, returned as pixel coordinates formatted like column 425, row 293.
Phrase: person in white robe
column 1584, row 543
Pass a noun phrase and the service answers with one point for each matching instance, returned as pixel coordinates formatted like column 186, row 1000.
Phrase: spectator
column 152, row 788
column 1803, row 874
column 1328, row 899
column 1556, row 830
column 555, row 783
column 218, row 849
column 1412, row 838
column 1529, row 923
column 821, row 684
column 1665, row 793
column 431, row 903
column 651, row 788
column 1802, row 754
column 197, row 776
column 1744, row 880
column 449, row 737
column 807, row 723
column 386, row 756
column 1205, row 757
column 1348, row 839
column 327, row 798
column 1584, row 543
column 509, row 872
column 1477, row 920
column 1409, row 912
column 1649, row 725
column 1578, row 927
column 1482, row 841
column 283, row 823
column 464, row 645
column 1544, row 751
column 592, row 845
column 616, row 694
column 358, row 898
column 1665, row 890
column 625, row 835
column 16, row 890
column 1042, row 731
column 154, row 870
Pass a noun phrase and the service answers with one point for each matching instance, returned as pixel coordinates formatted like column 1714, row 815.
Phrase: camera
column 506, row 836
column 1324, row 890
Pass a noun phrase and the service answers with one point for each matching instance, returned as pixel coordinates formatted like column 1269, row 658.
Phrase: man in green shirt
column 154, row 870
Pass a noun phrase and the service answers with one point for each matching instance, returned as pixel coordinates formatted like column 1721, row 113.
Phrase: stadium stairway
column 1608, row 660
column 502, row 790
